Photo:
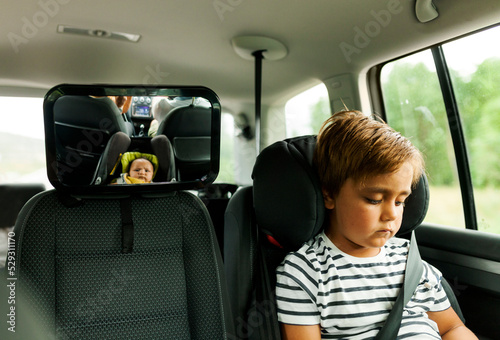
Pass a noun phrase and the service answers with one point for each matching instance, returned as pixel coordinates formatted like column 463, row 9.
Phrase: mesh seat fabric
column 74, row 282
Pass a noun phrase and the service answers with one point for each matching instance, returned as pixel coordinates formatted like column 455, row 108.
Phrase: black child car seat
column 282, row 210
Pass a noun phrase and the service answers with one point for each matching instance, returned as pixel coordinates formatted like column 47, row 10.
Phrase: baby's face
column 142, row 169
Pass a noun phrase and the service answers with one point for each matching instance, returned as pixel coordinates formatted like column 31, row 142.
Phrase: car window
column 22, row 145
column 476, row 82
column 414, row 105
column 226, row 170
column 306, row 112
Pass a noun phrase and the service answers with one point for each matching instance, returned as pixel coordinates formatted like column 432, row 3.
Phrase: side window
column 306, row 112
column 414, row 105
column 226, row 168
column 22, row 145
column 474, row 62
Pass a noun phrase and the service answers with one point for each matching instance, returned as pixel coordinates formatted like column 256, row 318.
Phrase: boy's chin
column 380, row 240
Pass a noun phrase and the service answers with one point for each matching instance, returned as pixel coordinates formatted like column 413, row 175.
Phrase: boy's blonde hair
column 353, row 145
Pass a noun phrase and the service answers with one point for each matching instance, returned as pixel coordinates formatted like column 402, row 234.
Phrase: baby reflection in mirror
column 137, row 168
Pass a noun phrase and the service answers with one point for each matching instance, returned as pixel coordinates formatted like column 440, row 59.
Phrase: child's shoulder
column 315, row 245
column 397, row 243
column 310, row 250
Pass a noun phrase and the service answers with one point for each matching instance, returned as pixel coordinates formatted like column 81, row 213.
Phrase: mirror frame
column 101, row 90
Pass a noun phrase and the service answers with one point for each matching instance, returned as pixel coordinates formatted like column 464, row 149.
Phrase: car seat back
column 12, row 199
column 189, row 130
column 132, row 267
column 83, row 126
column 216, row 197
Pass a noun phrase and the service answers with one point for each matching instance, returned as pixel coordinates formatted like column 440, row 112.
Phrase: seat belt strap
column 413, row 273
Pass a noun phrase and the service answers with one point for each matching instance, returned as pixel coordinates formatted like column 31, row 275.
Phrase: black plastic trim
column 457, row 136
column 462, row 241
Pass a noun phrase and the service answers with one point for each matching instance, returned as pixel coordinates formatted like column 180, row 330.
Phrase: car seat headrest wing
column 118, row 143
column 162, row 148
column 416, row 206
column 287, row 195
column 288, row 200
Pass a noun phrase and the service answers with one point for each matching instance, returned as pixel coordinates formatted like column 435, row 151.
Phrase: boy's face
column 142, row 169
column 363, row 216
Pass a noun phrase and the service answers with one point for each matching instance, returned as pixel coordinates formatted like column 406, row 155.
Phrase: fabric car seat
column 83, row 125
column 189, row 129
column 136, row 267
column 216, row 197
column 123, row 264
column 12, row 199
column 282, row 210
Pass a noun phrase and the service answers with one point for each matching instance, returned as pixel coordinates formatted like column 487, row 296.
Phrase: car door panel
column 470, row 261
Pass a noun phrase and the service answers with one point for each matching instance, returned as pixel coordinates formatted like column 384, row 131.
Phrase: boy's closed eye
column 379, row 201
column 373, row 201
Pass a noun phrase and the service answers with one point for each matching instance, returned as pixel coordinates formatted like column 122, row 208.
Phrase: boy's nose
column 389, row 212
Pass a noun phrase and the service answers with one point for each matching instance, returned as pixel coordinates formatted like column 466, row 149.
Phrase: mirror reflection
column 131, row 139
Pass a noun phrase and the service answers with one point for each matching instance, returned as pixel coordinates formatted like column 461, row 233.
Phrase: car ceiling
column 189, row 42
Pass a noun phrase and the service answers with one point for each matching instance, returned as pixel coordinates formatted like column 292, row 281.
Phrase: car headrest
column 73, row 111
column 288, row 200
column 189, row 130
column 186, row 121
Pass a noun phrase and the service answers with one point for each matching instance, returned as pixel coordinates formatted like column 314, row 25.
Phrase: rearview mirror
column 95, row 132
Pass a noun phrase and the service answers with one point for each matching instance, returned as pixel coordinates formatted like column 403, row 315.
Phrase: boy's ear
column 329, row 201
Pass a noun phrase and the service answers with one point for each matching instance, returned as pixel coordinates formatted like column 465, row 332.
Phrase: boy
column 343, row 282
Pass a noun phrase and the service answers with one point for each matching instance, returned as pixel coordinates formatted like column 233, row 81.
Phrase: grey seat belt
column 413, row 273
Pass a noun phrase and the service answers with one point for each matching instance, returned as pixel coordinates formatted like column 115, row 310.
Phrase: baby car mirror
column 95, row 133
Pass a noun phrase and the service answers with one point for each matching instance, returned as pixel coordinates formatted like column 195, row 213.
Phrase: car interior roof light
column 99, row 33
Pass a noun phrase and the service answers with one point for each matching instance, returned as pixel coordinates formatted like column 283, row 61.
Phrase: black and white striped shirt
column 351, row 297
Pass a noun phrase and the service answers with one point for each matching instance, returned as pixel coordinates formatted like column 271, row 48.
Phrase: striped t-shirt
column 351, row 297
